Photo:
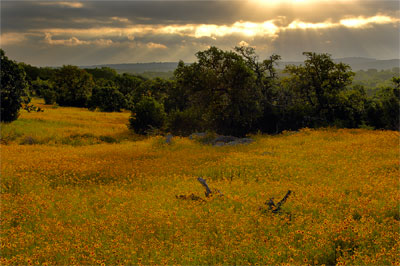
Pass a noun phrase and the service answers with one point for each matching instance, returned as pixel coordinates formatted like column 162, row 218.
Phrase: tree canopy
column 73, row 86
column 14, row 88
column 319, row 83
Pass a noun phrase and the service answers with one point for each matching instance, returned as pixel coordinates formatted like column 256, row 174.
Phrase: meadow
column 78, row 188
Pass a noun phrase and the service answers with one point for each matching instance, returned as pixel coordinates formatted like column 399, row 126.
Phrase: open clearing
column 78, row 188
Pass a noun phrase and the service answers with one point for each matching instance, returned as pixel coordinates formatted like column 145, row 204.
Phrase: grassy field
column 78, row 188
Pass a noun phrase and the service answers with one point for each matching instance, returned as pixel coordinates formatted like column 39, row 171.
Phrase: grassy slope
column 60, row 125
column 66, row 202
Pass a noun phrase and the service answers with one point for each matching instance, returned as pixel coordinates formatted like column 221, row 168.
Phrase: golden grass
column 114, row 203
column 62, row 125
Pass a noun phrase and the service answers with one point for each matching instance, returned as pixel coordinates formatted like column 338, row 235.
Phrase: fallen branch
column 208, row 192
column 203, row 182
column 276, row 208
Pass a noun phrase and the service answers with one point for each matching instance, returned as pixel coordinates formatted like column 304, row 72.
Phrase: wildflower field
column 77, row 188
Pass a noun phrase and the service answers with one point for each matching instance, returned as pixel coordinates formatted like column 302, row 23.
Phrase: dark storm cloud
column 21, row 16
column 95, row 32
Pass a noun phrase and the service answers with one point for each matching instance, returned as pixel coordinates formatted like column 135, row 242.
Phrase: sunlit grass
column 61, row 125
column 115, row 203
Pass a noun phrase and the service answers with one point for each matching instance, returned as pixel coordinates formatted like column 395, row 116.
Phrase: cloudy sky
column 96, row 32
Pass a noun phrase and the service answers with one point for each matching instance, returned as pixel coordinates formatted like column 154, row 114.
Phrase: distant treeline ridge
column 227, row 92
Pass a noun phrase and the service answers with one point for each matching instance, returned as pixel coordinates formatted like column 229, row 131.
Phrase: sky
column 55, row 33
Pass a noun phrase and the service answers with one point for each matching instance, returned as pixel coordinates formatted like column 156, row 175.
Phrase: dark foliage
column 127, row 83
column 184, row 123
column 102, row 73
column 73, row 86
column 225, row 92
column 107, row 98
column 45, row 88
column 33, row 73
column 319, row 83
column 14, row 89
column 383, row 110
column 224, row 88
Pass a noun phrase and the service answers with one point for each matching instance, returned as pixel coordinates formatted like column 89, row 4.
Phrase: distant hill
column 356, row 63
column 140, row 67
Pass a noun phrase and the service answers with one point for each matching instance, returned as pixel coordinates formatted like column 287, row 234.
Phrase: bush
column 108, row 98
column 147, row 114
column 14, row 89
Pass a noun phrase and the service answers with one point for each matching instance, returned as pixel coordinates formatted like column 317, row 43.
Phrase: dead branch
column 203, row 182
column 277, row 207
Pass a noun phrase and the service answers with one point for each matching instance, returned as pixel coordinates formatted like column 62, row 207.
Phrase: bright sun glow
column 296, row 2
column 275, row 2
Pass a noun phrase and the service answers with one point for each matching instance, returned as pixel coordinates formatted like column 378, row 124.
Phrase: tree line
column 227, row 92
column 372, row 79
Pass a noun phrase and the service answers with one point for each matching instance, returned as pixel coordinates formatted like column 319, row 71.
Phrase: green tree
column 14, row 88
column 319, row 83
column 147, row 114
column 266, row 74
column 268, row 84
column 127, row 83
column 177, row 97
column 73, row 86
column 224, row 88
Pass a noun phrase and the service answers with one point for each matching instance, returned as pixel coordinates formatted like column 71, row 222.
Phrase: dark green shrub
column 147, row 114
